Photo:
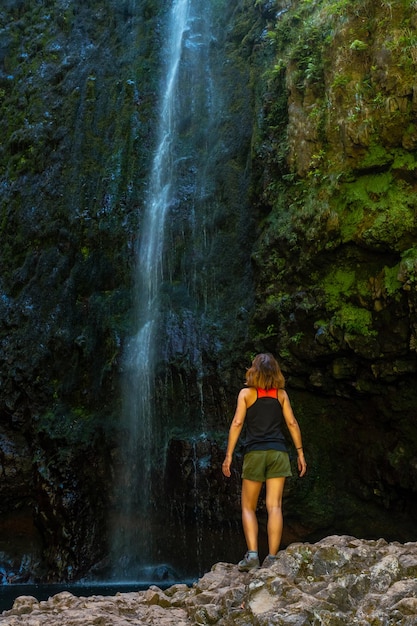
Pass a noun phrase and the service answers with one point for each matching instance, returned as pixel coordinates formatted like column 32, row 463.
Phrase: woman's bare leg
column 250, row 494
column 274, row 490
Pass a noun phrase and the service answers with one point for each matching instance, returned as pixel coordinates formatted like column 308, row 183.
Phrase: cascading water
column 182, row 97
column 180, row 291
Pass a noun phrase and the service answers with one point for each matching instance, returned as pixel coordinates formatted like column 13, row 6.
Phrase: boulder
column 337, row 581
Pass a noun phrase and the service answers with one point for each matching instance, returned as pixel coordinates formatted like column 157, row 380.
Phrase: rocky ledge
column 337, row 581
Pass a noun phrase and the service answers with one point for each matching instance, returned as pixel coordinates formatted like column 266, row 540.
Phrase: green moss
column 357, row 44
column 338, row 7
column 391, row 225
column 354, row 320
column 376, row 156
column 338, row 283
column 85, row 252
column 405, row 160
column 377, row 209
column 341, row 80
column 408, row 266
column 392, row 283
column 366, row 188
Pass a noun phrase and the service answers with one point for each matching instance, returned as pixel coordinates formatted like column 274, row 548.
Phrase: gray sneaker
column 248, row 563
column 269, row 560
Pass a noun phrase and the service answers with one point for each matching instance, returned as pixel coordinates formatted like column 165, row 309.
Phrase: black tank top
column 264, row 420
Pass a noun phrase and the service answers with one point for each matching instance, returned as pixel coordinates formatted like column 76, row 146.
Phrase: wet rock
column 338, row 581
column 335, row 266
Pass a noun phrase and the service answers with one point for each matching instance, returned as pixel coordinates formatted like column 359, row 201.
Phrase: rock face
column 338, row 581
column 335, row 259
column 318, row 135
column 79, row 94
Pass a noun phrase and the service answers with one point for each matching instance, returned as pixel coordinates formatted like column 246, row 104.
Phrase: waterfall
column 176, row 180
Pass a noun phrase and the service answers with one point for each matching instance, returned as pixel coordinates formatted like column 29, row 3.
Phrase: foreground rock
column 337, row 581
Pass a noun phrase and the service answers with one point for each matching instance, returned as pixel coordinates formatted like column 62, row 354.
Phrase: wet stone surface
column 338, row 581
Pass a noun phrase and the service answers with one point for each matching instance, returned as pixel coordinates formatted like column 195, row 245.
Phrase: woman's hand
column 301, row 462
column 226, row 466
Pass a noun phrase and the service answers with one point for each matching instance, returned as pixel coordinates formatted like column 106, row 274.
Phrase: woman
column 264, row 406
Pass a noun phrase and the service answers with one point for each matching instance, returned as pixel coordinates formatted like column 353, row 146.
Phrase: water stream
column 177, row 181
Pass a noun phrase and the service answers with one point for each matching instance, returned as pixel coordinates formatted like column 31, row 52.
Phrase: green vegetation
column 408, row 267
column 392, row 284
column 338, row 282
column 336, row 160
column 354, row 320
column 358, row 45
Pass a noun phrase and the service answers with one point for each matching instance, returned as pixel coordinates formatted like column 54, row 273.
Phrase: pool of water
column 8, row 593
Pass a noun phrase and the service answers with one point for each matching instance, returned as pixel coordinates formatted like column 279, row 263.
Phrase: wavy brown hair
column 265, row 373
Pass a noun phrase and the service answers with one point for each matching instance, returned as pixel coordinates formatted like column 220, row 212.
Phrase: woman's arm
column 294, row 429
column 235, row 430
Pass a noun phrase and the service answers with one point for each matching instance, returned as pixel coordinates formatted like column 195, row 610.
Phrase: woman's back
column 264, row 419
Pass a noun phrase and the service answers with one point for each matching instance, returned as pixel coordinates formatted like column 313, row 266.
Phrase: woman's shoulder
column 248, row 390
column 282, row 395
column 249, row 394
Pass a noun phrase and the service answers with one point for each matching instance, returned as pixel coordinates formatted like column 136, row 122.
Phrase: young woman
column 264, row 406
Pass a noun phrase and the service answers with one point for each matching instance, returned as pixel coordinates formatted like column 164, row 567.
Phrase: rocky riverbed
column 338, row 581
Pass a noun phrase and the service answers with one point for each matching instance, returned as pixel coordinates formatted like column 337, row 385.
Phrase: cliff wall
column 319, row 124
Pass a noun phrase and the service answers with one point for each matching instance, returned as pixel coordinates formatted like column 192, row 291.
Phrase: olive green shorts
column 260, row 465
